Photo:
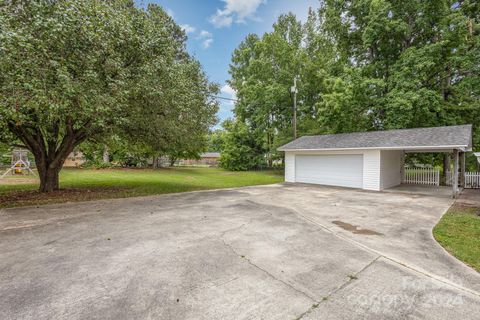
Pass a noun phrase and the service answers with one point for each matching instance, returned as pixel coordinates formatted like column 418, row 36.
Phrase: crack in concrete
column 267, row 272
column 243, row 225
column 250, row 262
column 340, row 287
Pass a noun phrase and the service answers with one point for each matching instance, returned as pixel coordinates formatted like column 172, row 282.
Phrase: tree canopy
column 74, row 70
column 362, row 65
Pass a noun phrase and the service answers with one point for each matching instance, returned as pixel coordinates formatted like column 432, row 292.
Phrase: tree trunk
column 446, row 166
column 156, row 162
column 49, row 179
column 50, row 163
column 106, row 154
column 50, row 153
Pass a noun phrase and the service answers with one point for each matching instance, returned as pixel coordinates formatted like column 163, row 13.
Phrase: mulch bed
column 34, row 197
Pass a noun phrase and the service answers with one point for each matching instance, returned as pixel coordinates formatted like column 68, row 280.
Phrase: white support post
column 462, row 170
column 402, row 167
column 455, row 173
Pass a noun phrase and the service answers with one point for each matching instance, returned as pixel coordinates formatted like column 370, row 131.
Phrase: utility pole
column 294, row 121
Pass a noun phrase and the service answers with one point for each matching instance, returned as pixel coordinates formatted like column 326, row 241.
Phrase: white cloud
column 235, row 10
column 206, row 38
column 221, row 19
column 206, row 43
column 187, row 28
column 204, row 34
column 230, row 92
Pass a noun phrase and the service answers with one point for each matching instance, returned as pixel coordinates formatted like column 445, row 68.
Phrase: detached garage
column 369, row 160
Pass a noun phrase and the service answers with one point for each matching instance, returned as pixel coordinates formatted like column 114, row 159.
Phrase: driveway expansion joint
column 343, row 285
column 382, row 255
column 250, row 262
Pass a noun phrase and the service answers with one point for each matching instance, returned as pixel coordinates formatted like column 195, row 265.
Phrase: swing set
column 20, row 164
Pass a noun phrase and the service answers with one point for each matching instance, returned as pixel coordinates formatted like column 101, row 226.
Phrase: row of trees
column 361, row 65
column 107, row 72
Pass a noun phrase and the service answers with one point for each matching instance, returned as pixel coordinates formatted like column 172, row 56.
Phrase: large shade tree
column 362, row 65
column 71, row 70
column 176, row 121
column 262, row 71
column 406, row 63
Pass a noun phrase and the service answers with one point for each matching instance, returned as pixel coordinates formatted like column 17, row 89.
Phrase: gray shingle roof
column 453, row 136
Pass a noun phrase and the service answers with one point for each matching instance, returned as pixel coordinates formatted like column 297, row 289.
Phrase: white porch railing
column 421, row 176
column 472, row 179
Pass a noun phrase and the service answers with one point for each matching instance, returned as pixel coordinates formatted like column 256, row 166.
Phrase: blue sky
column 216, row 27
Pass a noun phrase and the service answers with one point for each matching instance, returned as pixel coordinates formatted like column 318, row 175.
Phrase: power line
column 224, row 98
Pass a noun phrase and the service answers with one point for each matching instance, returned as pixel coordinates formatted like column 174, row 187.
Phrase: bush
column 240, row 151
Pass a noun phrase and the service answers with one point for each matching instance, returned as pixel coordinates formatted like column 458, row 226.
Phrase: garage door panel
column 334, row 170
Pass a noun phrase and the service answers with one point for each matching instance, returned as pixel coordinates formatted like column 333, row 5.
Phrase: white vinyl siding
column 289, row 167
column 390, row 169
column 371, row 170
column 344, row 170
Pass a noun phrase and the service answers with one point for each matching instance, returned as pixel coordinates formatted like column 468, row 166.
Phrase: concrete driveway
column 269, row 252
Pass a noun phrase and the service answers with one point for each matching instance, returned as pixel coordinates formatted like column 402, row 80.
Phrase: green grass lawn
column 90, row 184
column 459, row 233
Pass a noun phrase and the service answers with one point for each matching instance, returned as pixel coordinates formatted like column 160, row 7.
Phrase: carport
column 372, row 160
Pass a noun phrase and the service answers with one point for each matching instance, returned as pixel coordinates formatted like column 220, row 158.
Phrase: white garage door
column 333, row 170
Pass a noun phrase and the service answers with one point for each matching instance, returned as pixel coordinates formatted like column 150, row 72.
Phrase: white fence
column 472, row 179
column 421, row 176
column 430, row 176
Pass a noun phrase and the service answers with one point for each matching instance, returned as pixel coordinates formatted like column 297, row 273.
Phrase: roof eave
column 445, row 147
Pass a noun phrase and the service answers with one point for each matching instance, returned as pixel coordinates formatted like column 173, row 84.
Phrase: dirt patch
column 14, row 181
column 355, row 229
column 33, row 197
column 462, row 207
column 469, row 198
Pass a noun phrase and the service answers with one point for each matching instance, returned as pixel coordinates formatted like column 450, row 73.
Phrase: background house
column 74, row 159
column 211, row 159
